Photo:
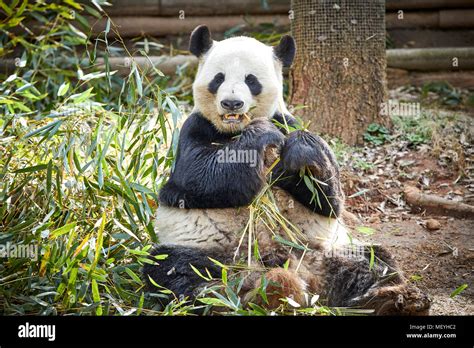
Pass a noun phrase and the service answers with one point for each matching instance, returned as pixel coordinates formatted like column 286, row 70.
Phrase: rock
column 351, row 219
column 374, row 220
column 433, row 224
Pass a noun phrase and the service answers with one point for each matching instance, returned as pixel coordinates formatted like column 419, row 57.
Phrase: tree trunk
column 339, row 71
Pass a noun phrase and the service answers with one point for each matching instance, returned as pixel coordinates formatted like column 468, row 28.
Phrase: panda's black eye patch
column 254, row 85
column 216, row 83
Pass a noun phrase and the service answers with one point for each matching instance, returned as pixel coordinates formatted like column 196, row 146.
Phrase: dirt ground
column 437, row 260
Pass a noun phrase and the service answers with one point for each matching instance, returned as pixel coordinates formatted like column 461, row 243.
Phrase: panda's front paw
column 263, row 134
column 303, row 149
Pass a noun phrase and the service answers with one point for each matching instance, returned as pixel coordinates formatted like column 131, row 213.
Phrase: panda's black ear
column 286, row 50
column 200, row 41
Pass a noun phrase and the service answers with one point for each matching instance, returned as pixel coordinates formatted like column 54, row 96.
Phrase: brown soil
column 438, row 261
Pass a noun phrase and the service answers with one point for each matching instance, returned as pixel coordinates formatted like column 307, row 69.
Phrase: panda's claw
column 399, row 299
column 303, row 149
column 263, row 134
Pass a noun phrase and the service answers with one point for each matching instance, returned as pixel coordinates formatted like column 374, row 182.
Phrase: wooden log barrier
column 176, row 8
column 238, row 7
column 130, row 26
column 431, row 59
column 444, row 19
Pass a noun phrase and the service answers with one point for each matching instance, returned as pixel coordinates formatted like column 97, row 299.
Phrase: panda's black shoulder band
column 204, row 177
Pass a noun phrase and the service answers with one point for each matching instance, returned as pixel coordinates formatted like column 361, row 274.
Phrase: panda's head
column 238, row 79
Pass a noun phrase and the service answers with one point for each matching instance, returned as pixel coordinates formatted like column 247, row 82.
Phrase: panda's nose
column 232, row 105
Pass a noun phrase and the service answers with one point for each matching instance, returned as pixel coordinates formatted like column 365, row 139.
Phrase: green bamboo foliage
column 83, row 153
column 81, row 161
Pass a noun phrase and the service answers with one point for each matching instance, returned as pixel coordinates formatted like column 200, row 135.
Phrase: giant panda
column 204, row 206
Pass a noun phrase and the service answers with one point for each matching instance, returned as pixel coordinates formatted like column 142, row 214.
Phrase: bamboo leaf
column 99, row 241
column 458, row 290
column 62, row 230
column 372, row 258
column 63, row 89
column 96, row 297
column 132, row 275
column 80, row 97
column 365, row 230
column 199, row 273
column 31, row 169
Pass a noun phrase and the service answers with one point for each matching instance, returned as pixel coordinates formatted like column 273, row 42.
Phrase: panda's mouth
column 233, row 118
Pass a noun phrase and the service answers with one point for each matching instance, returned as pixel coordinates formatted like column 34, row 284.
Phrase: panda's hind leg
column 174, row 272
column 355, row 282
column 391, row 294
column 400, row 299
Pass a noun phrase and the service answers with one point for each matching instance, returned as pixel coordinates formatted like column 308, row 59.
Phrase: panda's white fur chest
column 221, row 229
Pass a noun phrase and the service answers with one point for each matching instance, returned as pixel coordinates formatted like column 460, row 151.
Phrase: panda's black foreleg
column 207, row 176
column 305, row 152
column 175, row 272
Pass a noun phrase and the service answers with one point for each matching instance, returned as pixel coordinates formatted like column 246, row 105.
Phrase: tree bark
column 339, row 71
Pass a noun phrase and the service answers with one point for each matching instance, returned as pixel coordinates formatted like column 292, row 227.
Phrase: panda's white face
column 238, row 79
